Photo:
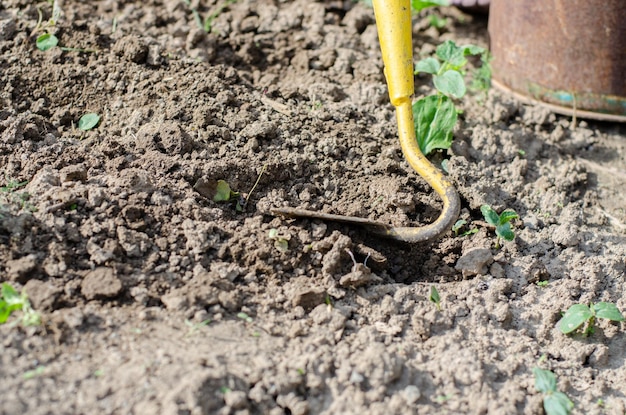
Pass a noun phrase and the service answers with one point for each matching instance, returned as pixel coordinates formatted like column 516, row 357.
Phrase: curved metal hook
column 393, row 19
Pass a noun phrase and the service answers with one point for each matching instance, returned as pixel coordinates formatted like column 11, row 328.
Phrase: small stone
column 230, row 300
column 474, row 262
column 19, row 269
column 566, row 235
column 76, row 173
column 360, row 276
column 206, row 187
column 95, row 196
column 42, row 294
column 73, row 317
column 236, row 399
column 309, row 298
column 175, row 302
column 101, row 283
column 356, row 377
column 153, row 56
column 7, row 29
column 411, row 394
column 131, row 48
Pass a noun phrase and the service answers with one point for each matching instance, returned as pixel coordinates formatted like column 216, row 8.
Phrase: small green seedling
column 224, row 193
column 580, row 315
column 443, row 398
column 554, row 402
column 46, row 41
column 88, row 121
column 281, row 241
column 245, row 317
column 12, row 186
column 481, row 76
column 542, row 284
column 194, row 327
column 11, row 301
column 434, row 297
column 21, row 199
column 437, row 22
column 459, row 224
column 502, row 222
column 207, row 23
column 418, row 5
column 435, row 115
column 36, row 372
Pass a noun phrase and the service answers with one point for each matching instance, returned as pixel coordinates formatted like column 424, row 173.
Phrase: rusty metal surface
column 568, row 53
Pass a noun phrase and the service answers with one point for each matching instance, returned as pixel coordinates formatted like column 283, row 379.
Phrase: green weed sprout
column 434, row 297
column 194, row 327
column 245, row 317
column 225, row 194
column 207, row 23
column 437, row 22
column 88, row 121
column 459, row 224
column 579, row 315
column 418, row 5
column 554, row 402
column 10, row 194
column 502, row 222
column 48, row 40
column 435, row 115
column 281, row 241
column 11, row 300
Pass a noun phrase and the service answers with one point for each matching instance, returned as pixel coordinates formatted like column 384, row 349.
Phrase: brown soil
column 120, row 246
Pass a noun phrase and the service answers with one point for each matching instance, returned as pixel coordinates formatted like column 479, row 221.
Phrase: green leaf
column 223, row 192
column 574, row 317
column 545, row 381
column 46, row 41
column 450, row 83
column 472, row 50
column 434, row 295
column 608, row 311
column 418, row 5
column 434, row 117
column 245, row 317
column 11, row 296
column 557, row 403
column 458, row 225
column 428, row 65
column 88, row 121
column 490, row 215
column 507, row 216
column 437, row 22
column 449, row 52
column 281, row 244
column 5, row 311
column 10, row 300
column 504, row 231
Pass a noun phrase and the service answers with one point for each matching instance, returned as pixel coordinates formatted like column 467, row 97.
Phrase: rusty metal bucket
column 567, row 54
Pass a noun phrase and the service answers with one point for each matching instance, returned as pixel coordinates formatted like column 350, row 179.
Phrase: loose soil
column 158, row 300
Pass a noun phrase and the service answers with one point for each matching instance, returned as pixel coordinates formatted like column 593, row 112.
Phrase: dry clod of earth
column 155, row 299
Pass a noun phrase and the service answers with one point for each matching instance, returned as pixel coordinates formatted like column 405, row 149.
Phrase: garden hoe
column 393, row 19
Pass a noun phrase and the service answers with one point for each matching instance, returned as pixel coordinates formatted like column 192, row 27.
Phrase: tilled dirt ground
column 158, row 300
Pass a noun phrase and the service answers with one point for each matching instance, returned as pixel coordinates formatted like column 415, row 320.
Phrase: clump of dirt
column 157, row 299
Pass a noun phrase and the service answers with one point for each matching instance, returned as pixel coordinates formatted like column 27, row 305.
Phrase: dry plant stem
column 393, row 19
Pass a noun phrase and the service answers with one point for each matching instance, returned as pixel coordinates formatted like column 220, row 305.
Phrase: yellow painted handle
column 393, row 19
